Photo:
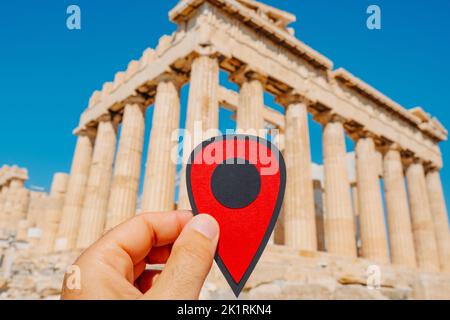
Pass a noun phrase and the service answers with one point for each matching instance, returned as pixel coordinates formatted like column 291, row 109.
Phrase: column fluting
column 160, row 173
column 398, row 215
column 371, row 215
column 338, row 217
column 299, row 214
column 440, row 217
column 95, row 205
column 127, row 168
column 202, row 111
column 422, row 220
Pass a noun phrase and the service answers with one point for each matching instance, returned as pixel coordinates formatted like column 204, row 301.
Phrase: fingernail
column 206, row 225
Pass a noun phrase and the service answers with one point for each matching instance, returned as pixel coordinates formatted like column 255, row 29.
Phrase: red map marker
column 240, row 181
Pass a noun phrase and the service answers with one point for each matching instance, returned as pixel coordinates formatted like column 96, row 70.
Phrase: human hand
column 114, row 266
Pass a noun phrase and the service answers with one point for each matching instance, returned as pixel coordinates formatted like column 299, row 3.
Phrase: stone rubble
column 281, row 274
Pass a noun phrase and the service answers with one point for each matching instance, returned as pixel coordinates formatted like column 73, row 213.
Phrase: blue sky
column 48, row 72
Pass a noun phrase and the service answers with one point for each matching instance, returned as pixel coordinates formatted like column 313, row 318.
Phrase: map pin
column 240, row 181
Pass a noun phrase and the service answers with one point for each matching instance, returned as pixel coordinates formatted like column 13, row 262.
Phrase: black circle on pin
column 236, row 183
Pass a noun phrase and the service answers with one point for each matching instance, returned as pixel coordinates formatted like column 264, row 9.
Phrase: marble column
column 398, row 215
column 127, row 168
column 440, row 217
column 76, row 190
column 33, row 208
column 371, row 215
column 339, row 222
column 95, row 205
column 3, row 216
column 38, row 206
column 52, row 216
column 202, row 109
column 249, row 117
column 16, row 204
column 23, row 200
column 159, row 184
column 8, row 206
column 299, row 214
column 422, row 220
column 1, row 198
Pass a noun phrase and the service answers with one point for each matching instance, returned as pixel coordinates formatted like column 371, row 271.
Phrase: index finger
column 137, row 236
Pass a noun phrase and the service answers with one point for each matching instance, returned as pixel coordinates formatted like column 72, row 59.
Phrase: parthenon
column 402, row 225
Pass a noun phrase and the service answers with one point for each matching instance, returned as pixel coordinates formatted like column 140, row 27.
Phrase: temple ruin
column 332, row 227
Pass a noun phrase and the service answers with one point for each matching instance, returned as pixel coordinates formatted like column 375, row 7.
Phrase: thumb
column 190, row 261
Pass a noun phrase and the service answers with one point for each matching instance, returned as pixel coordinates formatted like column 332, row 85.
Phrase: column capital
column 292, row 97
column 176, row 78
column 385, row 146
column 364, row 134
column 136, row 99
column 409, row 159
column 185, row 66
column 89, row 132
column 327, row 116
column 432, row 169
column 245, row 73
column 114, row 118
column 206, row 49
column 106, row 117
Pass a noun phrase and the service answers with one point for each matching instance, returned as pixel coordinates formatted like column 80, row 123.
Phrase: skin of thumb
column 190, row 261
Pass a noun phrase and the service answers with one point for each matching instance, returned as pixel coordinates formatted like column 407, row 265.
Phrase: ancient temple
column 333, row 227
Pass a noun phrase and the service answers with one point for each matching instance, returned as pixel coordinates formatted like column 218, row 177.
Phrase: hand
column 114, row 266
